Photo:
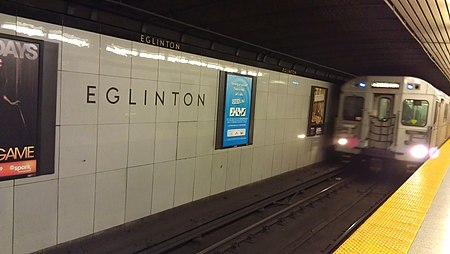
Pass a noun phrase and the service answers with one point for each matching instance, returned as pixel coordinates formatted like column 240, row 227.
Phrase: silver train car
column 402, row 118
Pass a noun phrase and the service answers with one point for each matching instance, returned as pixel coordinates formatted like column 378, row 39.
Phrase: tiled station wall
column 119, row 162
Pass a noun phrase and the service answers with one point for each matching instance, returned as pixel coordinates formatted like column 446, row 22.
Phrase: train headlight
column 342, row 141
column 419, row 151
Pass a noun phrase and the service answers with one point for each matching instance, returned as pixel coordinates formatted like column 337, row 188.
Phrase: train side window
column 353, row 108
column 384, row 109
column 415, row 112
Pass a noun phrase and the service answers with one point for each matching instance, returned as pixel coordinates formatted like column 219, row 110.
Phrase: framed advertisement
column 28, row 80
column 235, row 111
column 317, row 108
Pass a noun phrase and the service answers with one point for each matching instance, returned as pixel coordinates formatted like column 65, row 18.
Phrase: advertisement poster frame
column 27, row 146
column 317, row 111
column 235, row 110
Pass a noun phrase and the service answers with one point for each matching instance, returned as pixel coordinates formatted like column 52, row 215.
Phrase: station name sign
column 155, row 41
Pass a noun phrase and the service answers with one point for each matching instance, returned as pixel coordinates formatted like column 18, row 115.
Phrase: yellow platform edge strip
column 394, row 225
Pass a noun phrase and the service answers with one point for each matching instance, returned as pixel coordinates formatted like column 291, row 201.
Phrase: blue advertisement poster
column 236, row 121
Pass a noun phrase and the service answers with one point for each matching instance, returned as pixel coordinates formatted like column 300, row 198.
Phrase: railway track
column 309, row 218
column 203, row 239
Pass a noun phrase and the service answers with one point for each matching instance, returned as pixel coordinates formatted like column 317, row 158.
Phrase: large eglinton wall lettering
column 19, row 85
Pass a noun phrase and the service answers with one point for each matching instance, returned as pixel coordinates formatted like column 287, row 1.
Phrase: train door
column 382, row 121
column 435, row 124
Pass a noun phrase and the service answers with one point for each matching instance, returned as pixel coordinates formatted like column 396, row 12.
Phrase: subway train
column 387, row 117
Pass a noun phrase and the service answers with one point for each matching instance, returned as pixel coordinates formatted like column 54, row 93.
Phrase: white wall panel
column 261, row 105
column 259, row 132
column 166, row 142
column 139, row 192
column 245, row 173
column 189, row 102
column 279, row 131
column 7, row 20
column 76, row 207
column 35, row 216
column 163, row 186
column 141, row 149
column 290, row 106
column 78, row 150
column 110, row 191
column 6, row 219
column 143, row 95
column 272, row 102
column 184, row 181
column 218, row 172
column 114, row 100
column 257, row 165
column 281, row 106
column 208, row 111
column 233, row 169
column 270, row 132
column 169, row 69
column 145, row 64
column 282, row 88
column 285, row 158
column 112, row 149
column 209, row 76
column 115, row 56
column 267, row 161
column 187, row 140
column 277, row 159
column 74, row 106
column 202, row 182
column 190, row 72
column 169, row 94
column 262, row 81
column 83, row 54
column 205, row 138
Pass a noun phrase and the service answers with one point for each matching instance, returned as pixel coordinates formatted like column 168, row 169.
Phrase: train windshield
column 415, row 112
column 353, row 108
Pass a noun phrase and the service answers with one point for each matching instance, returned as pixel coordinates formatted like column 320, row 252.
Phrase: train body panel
column 391, row 117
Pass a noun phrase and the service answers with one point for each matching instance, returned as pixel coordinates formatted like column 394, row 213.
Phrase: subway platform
column 415, row 219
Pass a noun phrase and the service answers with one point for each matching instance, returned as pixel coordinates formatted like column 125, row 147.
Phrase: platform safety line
column 393, row 227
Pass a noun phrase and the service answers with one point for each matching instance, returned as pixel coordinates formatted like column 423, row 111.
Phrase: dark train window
column 415, row 112
column 353, row 108
column 384, row 109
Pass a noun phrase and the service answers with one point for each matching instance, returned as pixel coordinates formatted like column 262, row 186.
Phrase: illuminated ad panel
column 317, row 109
column 20, row 106
column 236, row 110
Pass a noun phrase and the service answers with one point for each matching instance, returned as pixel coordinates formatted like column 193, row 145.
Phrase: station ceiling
column 354, row 37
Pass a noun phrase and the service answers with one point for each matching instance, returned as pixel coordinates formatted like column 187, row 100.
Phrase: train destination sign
column 236, row 110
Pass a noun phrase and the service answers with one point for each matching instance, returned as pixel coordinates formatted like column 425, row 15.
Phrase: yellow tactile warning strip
column 393, row 227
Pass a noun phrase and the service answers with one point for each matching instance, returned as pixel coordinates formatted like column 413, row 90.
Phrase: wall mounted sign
column 27, row 106
column 155, row 41
column 318, row 103
column 235, row 110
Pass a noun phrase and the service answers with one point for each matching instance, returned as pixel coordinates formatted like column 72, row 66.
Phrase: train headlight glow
column 434, row 152
column 419, row 151
column 342, row 141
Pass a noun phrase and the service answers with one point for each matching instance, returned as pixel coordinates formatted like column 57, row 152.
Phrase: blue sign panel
column 236, row 121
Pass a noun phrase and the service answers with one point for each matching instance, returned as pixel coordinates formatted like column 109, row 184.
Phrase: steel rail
column 272, row 217
column 206, row 227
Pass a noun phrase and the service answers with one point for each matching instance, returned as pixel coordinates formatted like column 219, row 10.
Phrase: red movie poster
column 19, row 86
